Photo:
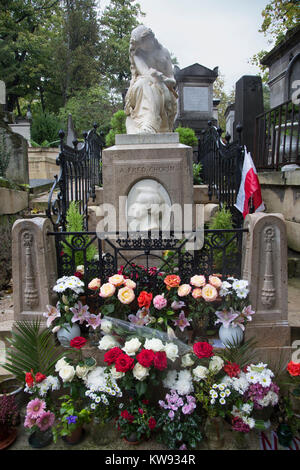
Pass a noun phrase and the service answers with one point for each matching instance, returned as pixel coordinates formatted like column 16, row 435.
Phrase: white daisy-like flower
column 93, row 406
column 214, row 394
column 222, row 401
column 215, row 386
column 222, row 394
column 212, row 401
column 227, row 392
column 221, row 387
column 97, row 400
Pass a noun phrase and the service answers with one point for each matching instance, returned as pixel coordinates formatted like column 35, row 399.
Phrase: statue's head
column 141, row 36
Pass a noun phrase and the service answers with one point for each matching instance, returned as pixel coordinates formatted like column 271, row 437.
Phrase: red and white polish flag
column 249, row 187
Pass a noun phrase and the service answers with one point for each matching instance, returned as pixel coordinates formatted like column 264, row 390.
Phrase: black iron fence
column 80, row 172
column 143, row 258
column 277, row 141
column 222, row 163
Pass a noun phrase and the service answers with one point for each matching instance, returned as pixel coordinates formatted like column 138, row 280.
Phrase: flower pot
column 75, row 437
column 39, row 439
column 132, row 439
column 13, row 387
column 66, row 333
column 214, row 432
column 9, row 438
column 231, row 335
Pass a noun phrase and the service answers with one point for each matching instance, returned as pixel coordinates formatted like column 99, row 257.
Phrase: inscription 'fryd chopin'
column 147, row 170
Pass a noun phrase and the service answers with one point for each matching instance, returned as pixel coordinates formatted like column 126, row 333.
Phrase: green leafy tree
column 187, row 136
column 279, row 16
column 119, row 18
column 117, row 124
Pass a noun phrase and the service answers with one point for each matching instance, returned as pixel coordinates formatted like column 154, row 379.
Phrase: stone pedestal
column 34, row 267
column 265, row 267
column 157, row 157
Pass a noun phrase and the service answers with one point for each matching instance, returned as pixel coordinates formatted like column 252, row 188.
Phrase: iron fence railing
column 80, row 172
column 143, row 258
column 277, row 141
column 222, row 163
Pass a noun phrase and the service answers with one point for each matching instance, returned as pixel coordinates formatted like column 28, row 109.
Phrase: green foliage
column 187, row 136
column 117, row 124
column 181, row 429
column 4, row 154
column 31, row 348
column 45, row 128
column 96, row 104
column 70, row 408
column 197, row 168
column 74, row 221
column 241, row 354
column 222, row 220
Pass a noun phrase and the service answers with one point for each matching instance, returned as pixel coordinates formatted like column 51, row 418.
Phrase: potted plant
column 39, row 420
column 235, row 311
column 12, row 387
column 9, row 417
column 179, row 424
column 136, row 420
column 293, row 370
column 70, row 420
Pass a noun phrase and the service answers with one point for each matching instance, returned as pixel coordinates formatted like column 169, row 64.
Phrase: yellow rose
column 198, row 281
column 129, row 283
column 107, row 290
column 215, row 281
column 184, row 290
column 116, row 280
column 209, row 293
column 126, row 295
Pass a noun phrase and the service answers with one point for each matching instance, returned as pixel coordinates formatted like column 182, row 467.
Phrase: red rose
column 124, row 363
column 144, row 299
column 146, row 357
column 293, row 368
column 160, row 360
column 203, row 350
column 29, row 379
column 111, row 355
column 127, row 416
column 145, row 402
column 141, row 411
column 78, row 342
column 151, row 423
column 232, row 369
column 78, row 274
column 39, row 377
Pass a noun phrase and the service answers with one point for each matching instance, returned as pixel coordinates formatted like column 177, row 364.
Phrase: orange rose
column 197, row 293
column 144, row 299
column 293, row 368
column 172, row 281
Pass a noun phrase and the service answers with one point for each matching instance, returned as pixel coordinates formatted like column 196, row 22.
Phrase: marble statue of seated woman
column 151, row 101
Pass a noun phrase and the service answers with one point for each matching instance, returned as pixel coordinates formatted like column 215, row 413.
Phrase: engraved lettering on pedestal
column 268, row 292
column 31, row 296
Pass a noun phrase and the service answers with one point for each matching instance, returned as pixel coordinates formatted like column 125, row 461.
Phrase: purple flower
column 182, row 322
column 94, row 320
column 72, row 419
column 226, row 317
column 80, row 313
column 177, row 305
column 141, row 318
column 182, row 447
column 171, row 414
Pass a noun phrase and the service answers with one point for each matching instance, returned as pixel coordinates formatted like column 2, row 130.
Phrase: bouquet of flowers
column 138, row 362
column 102, row 392
column 39, row 384
column 178, row 422
column 235, row 309
column 37, row 416
column 137, row 420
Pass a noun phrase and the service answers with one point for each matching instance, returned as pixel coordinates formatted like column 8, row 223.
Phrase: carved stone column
column 265, row 267
column 34, row 267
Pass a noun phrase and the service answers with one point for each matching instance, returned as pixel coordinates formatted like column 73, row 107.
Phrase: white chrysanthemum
column 184, row 385
column 247, row 408
column 170, row 379
column 264, row 380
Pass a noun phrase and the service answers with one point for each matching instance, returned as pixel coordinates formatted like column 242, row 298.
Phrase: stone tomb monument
column 147, row 171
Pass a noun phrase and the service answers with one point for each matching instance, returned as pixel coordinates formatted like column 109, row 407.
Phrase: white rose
column 155, row 344
column 140, row 372
column 171, row 351
column 115, row 374
column 187, row 361
column 106, row 326
column 61, row 363
column 200, row 373
column 108, row 342
column 216, row 364
column 67, row 373
column 132, row 346
column 82, row 371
